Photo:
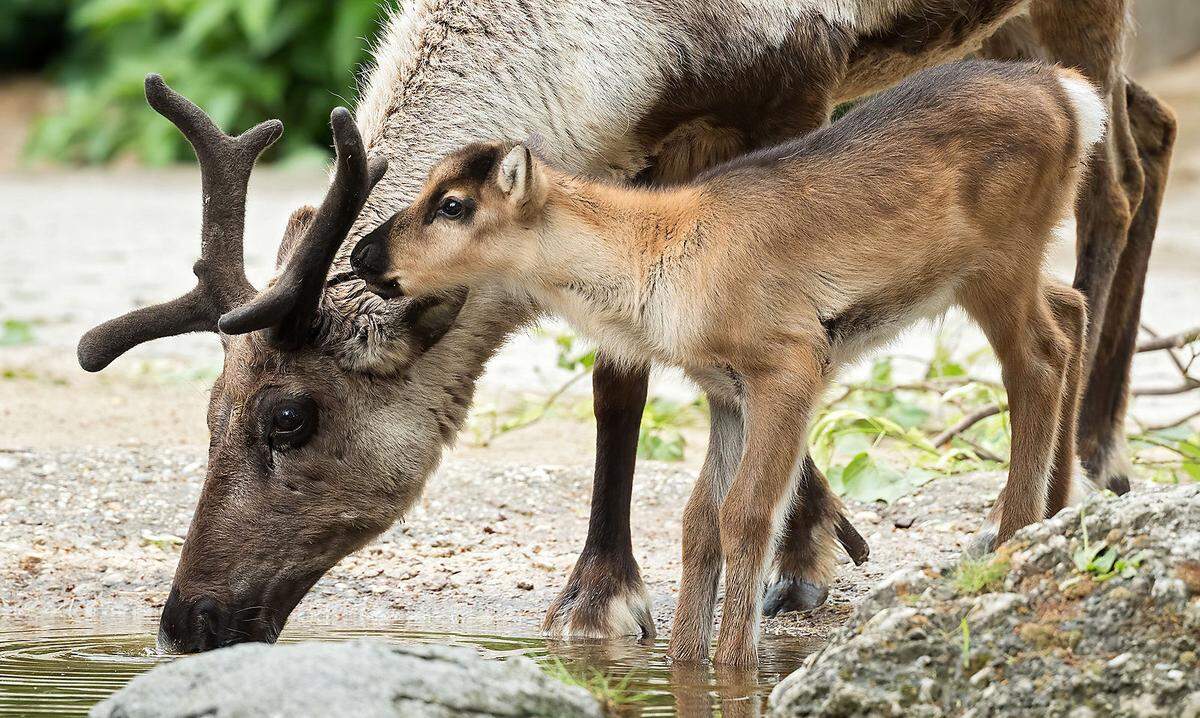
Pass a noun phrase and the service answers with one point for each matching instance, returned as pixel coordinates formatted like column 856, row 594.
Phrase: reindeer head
column 332, row 406
column 471, row 220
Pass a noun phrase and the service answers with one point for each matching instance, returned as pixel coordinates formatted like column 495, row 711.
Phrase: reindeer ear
column 429, row 318
column 521, row 178
column 297, row 225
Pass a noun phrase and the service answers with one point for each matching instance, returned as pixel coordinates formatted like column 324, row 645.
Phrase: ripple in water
column 64, row 670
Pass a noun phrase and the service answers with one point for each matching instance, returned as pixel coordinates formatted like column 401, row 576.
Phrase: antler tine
column 289, row 305
column 225, row 166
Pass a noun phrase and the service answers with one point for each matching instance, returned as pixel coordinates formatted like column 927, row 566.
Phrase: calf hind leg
column 1033, row 353
column 1088, row 35
column 1070, row 312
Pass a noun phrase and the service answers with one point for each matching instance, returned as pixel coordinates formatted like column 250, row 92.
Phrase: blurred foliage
column 243, row 61
column 31, row 32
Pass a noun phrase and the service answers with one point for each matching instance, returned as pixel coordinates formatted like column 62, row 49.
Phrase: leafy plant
column 613, row 694
column 660, row 438
column 241, row 60
column 1179, row 444
column 1102, row 561
column 879, row 440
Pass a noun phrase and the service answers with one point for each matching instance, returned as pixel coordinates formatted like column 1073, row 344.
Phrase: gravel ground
column 93, row 532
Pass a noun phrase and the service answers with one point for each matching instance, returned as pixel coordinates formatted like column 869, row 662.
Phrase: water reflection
column 65, row 669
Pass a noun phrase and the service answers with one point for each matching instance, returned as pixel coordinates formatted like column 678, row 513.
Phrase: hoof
column 600, row 610
column 1118, row 484
column 982, row 543
column 793, row 594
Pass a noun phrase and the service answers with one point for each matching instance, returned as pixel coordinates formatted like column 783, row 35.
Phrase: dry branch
column 1171, row 341
column 966, row 423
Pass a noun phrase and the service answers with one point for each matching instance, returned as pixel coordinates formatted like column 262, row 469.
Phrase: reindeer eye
column 293, row 422
column 288, row 419
column 452, row 208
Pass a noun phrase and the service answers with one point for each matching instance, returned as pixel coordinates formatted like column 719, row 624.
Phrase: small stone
column 112, row 578
column 904, row 522
column 866, row 517
column 525, row 585
column 982, row 677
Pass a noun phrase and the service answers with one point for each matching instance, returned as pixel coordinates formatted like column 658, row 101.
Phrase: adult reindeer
column 318, row 445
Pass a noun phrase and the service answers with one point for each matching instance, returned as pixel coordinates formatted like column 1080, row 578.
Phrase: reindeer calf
column 778, row 268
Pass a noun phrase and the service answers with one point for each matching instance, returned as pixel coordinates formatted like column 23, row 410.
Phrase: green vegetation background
column 243, row 61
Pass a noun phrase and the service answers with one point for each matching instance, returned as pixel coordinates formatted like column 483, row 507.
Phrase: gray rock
column 364, row 678
column 1043, row 637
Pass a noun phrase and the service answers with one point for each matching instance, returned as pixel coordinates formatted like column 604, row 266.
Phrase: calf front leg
column 605, row 596
column 691, row 631
column 778, row 405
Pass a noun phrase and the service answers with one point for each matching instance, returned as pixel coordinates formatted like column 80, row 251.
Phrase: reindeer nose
column 193, row 626
column 368, row 259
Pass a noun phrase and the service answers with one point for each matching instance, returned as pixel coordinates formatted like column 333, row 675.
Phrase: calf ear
column 514, row 172
column 521, row 179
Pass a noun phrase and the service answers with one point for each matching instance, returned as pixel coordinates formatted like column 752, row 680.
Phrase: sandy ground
column 98, row 472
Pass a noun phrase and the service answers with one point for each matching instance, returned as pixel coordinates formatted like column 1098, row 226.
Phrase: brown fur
column 768, row 268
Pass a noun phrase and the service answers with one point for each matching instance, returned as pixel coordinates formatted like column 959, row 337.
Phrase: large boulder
column 364, row 678
column 1095, row 612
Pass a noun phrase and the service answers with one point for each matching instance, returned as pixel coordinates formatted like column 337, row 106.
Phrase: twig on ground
column 966, row 423
column 980, row 451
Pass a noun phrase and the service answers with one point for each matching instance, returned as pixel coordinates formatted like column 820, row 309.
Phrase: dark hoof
column 982, row 543
column 793, row 594
column 1118, row 484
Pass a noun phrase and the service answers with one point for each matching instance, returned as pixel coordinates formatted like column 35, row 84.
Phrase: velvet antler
column 225, row 166
column 287, row 307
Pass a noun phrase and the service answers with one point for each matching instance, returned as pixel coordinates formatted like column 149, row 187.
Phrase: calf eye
column 293, row 422
column 452, row 208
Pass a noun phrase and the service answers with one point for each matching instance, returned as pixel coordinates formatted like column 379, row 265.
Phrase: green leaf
column 864, row 479
column 1104, row 561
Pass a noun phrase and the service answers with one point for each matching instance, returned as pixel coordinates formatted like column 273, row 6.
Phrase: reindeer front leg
column 778, row 404
column 605, row 596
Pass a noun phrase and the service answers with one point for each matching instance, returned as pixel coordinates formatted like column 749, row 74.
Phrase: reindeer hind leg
column 815, row 525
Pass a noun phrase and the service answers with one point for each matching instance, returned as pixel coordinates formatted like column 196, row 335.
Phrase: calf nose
column 192, row 626
column 367, row 259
